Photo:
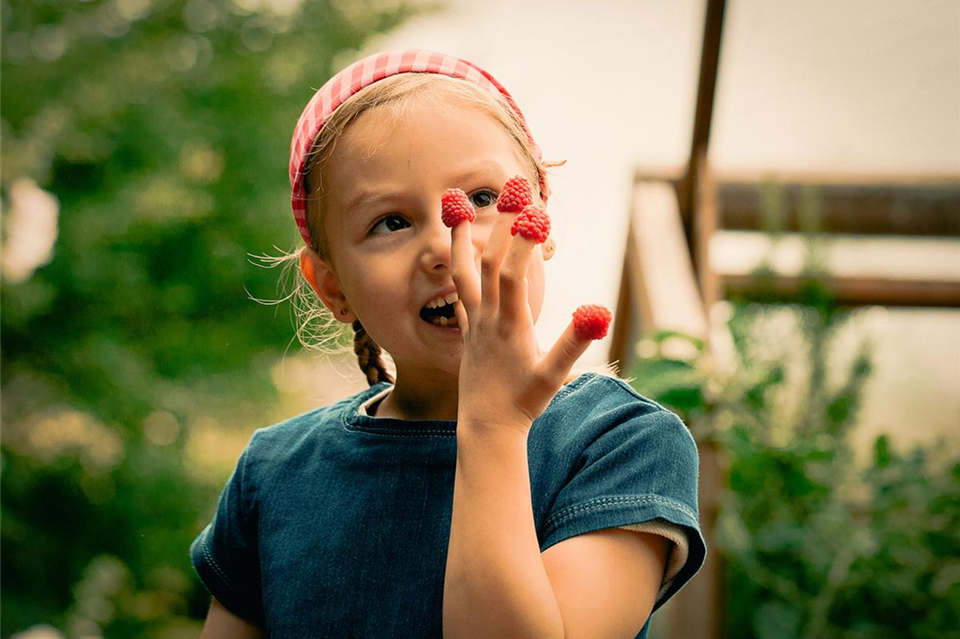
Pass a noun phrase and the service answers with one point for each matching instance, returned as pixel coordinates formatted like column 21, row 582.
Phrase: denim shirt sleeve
column 226, row 555
column 639, row 468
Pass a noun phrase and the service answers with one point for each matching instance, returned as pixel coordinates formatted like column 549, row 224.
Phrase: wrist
column 471, row 428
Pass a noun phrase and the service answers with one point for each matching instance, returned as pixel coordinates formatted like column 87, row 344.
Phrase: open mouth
column 439, row 316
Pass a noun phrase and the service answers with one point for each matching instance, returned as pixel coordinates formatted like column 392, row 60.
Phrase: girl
column 481, row 493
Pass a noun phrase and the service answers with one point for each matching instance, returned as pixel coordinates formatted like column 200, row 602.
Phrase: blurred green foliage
column 816, row 544
column 162, row 129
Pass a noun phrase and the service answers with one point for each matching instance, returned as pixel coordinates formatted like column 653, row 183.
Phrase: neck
column 421, row 397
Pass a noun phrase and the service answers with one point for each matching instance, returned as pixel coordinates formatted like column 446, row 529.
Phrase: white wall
column 854, row 86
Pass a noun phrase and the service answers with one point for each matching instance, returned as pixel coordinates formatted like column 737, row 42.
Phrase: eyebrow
column 483, row 168
column 365, row 198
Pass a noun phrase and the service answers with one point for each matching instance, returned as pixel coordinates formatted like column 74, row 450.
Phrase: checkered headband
column 364, row 73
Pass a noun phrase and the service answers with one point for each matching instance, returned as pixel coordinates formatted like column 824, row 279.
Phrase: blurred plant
column 144, row 157
column 815, row 546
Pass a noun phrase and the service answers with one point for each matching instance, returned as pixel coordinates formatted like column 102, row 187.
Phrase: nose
column 436, row 255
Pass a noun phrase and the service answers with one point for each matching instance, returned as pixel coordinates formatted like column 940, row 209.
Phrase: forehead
column 421, row 134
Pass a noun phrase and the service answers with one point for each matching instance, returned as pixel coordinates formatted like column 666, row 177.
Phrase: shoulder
column 600, row 403
column 590, row 386
column 605, row 456
column 290, row 438
column 602, row 415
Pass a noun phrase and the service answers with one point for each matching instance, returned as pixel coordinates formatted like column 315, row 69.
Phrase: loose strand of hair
column 315, row 327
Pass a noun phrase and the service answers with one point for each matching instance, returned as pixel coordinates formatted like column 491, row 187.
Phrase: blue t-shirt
column 335, row 524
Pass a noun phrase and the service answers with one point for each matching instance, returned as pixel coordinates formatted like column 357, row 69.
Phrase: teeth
column 440, row 302
column 443, row 321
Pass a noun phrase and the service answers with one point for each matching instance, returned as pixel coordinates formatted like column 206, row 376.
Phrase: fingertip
column 515, row 194
column 592, row 321
column 455, row 207
column 533, row 224
column 452, row 222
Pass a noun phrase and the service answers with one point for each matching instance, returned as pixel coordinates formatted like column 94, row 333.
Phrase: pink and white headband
column 361, row 74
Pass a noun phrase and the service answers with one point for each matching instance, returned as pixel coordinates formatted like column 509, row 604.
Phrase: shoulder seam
column 632, row 391
column 600, row 502
column 661, row 409
column 215, row 566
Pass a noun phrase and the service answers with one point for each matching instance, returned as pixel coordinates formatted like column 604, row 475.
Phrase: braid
column 368, row 356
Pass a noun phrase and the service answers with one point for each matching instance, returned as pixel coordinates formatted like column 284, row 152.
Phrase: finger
column 463, row 266
column 530, row 227
column 513, row 278
column 558, row 361
column 589, row 323
column 497, row 245
column 463, row 320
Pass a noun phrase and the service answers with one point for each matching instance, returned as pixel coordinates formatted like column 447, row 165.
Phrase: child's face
column 387, row 244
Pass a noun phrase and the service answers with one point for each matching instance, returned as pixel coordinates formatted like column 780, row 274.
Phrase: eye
column 389, row 224
column 483, row 198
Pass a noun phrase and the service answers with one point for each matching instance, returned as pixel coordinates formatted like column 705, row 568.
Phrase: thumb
column 589, row 323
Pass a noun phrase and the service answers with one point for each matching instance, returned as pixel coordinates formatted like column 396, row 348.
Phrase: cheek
column 481, row 227
column 369, row 289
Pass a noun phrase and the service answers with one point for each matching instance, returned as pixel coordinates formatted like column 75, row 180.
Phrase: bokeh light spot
column 161, row 428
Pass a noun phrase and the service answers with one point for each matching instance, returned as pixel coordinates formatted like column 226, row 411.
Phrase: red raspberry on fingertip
column 515, row 195
column 592, row 321
column 455, row 207
column 533, row 223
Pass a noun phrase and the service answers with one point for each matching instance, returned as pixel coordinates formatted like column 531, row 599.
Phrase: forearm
column 496, row 585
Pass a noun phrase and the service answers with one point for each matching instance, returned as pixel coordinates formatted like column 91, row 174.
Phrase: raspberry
column 515, row 195
column 532, row 223
column 592, row 321
column 455, row 208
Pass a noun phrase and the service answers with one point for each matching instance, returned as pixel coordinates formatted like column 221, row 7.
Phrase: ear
column 548, row 249
column 325, row 284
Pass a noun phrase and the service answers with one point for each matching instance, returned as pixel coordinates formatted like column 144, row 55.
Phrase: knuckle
column 489, row 266
column 570, row 349
column 540, row 379
column 509, row 280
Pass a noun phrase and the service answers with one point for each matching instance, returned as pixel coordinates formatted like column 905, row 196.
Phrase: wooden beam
column 666, row 291
column 849, row 291
column 703, row 113
column 844, row 178
column 918, row 207
column 707, row 81
column 866, row 204
column 658, row 288
column 705, row 225
column 697, row 611
column 659, row 291
column 625, row 328
column 859, row 270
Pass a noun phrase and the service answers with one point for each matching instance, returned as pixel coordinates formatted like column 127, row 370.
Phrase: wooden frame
column 669, row 279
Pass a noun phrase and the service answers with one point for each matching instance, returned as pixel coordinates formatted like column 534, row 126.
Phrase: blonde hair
column 317, row 328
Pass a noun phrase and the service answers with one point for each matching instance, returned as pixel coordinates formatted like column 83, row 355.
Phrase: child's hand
column 506, row 381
